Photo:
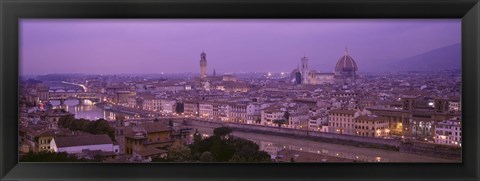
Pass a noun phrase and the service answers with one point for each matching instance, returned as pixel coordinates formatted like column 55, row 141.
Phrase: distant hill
column 449, row 57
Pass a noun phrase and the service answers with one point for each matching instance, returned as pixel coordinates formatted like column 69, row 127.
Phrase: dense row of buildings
column 133, row 141
column 422, row 106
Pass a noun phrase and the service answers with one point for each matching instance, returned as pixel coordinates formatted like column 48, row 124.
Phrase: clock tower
column 203, row 65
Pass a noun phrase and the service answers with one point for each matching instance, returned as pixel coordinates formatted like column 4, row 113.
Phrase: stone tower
column 304, row 70
column 203, row 65
column 120, row 132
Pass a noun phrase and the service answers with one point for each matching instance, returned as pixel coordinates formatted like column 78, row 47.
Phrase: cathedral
column 345, row 72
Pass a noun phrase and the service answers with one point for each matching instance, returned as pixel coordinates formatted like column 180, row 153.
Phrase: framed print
column 362, row 90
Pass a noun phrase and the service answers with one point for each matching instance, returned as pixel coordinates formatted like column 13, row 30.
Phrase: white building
column 371, row 126
column 253, row 109
column 455, row 106
column 341, row 121
column 151, row 103
column 253, row 113
column 317, row 122
column 133, row 102
column 168, row 106
column 449, row 132
column 271, row 113
column 205, row 110
column 76, row 144
column 237, row 112
column 299, row 120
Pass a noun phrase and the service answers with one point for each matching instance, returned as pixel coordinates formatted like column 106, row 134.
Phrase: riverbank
column 302, row 156
column 431, row 150
column 444, row 153
column 337, row 150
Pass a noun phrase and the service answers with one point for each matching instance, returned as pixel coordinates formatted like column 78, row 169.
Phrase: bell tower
column 304, row 70
column 203, row 65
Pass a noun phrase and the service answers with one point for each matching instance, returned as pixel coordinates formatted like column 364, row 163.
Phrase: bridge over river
column 61, row 90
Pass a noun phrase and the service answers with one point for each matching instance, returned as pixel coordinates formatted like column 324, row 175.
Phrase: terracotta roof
column 151, row 152
column 343, row 111
column 273, row 108
column 82, row 140
column 369, row 118
column 155, row 127
column 346, row 63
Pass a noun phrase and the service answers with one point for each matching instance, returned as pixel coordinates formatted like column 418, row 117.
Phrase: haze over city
column 174, row 46
column 266, row 91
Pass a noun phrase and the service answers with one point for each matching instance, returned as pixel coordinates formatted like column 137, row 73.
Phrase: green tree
column 221, row 150
column 232, row 149
column 197, row 137
column 179, row 153
column 45, row 156
column 102, row 127
column 207, row 157
column 66, row 121
column 99, row 126
column 222, row 131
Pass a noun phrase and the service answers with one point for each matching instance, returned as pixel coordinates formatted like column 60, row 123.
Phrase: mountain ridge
column 443, row 58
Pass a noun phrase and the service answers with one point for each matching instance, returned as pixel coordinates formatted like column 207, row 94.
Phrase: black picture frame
column 13, row 10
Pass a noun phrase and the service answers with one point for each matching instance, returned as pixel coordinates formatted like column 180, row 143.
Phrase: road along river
column 274, row 144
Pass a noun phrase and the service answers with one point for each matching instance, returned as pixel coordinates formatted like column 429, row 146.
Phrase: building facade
column 371, row 126
column 449, row 132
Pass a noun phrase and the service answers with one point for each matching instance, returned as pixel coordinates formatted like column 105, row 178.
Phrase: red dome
column 346, row 64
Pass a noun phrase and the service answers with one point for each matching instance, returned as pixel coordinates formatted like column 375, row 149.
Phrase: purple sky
column 170, row 46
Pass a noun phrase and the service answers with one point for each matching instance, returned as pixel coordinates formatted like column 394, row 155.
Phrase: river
column 272, row 143
column 85, row 109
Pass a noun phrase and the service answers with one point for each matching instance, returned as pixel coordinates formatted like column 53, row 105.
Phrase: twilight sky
column 172, row 46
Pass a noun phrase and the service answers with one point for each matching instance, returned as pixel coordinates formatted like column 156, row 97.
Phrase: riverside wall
column 304, row 134
column 420, row 148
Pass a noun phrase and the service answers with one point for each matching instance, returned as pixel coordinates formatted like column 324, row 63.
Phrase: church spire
column 346, row 50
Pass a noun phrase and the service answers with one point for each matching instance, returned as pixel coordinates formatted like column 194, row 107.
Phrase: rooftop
column 82, row 140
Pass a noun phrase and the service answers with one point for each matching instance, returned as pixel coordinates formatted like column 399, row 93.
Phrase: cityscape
column 104, row 108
